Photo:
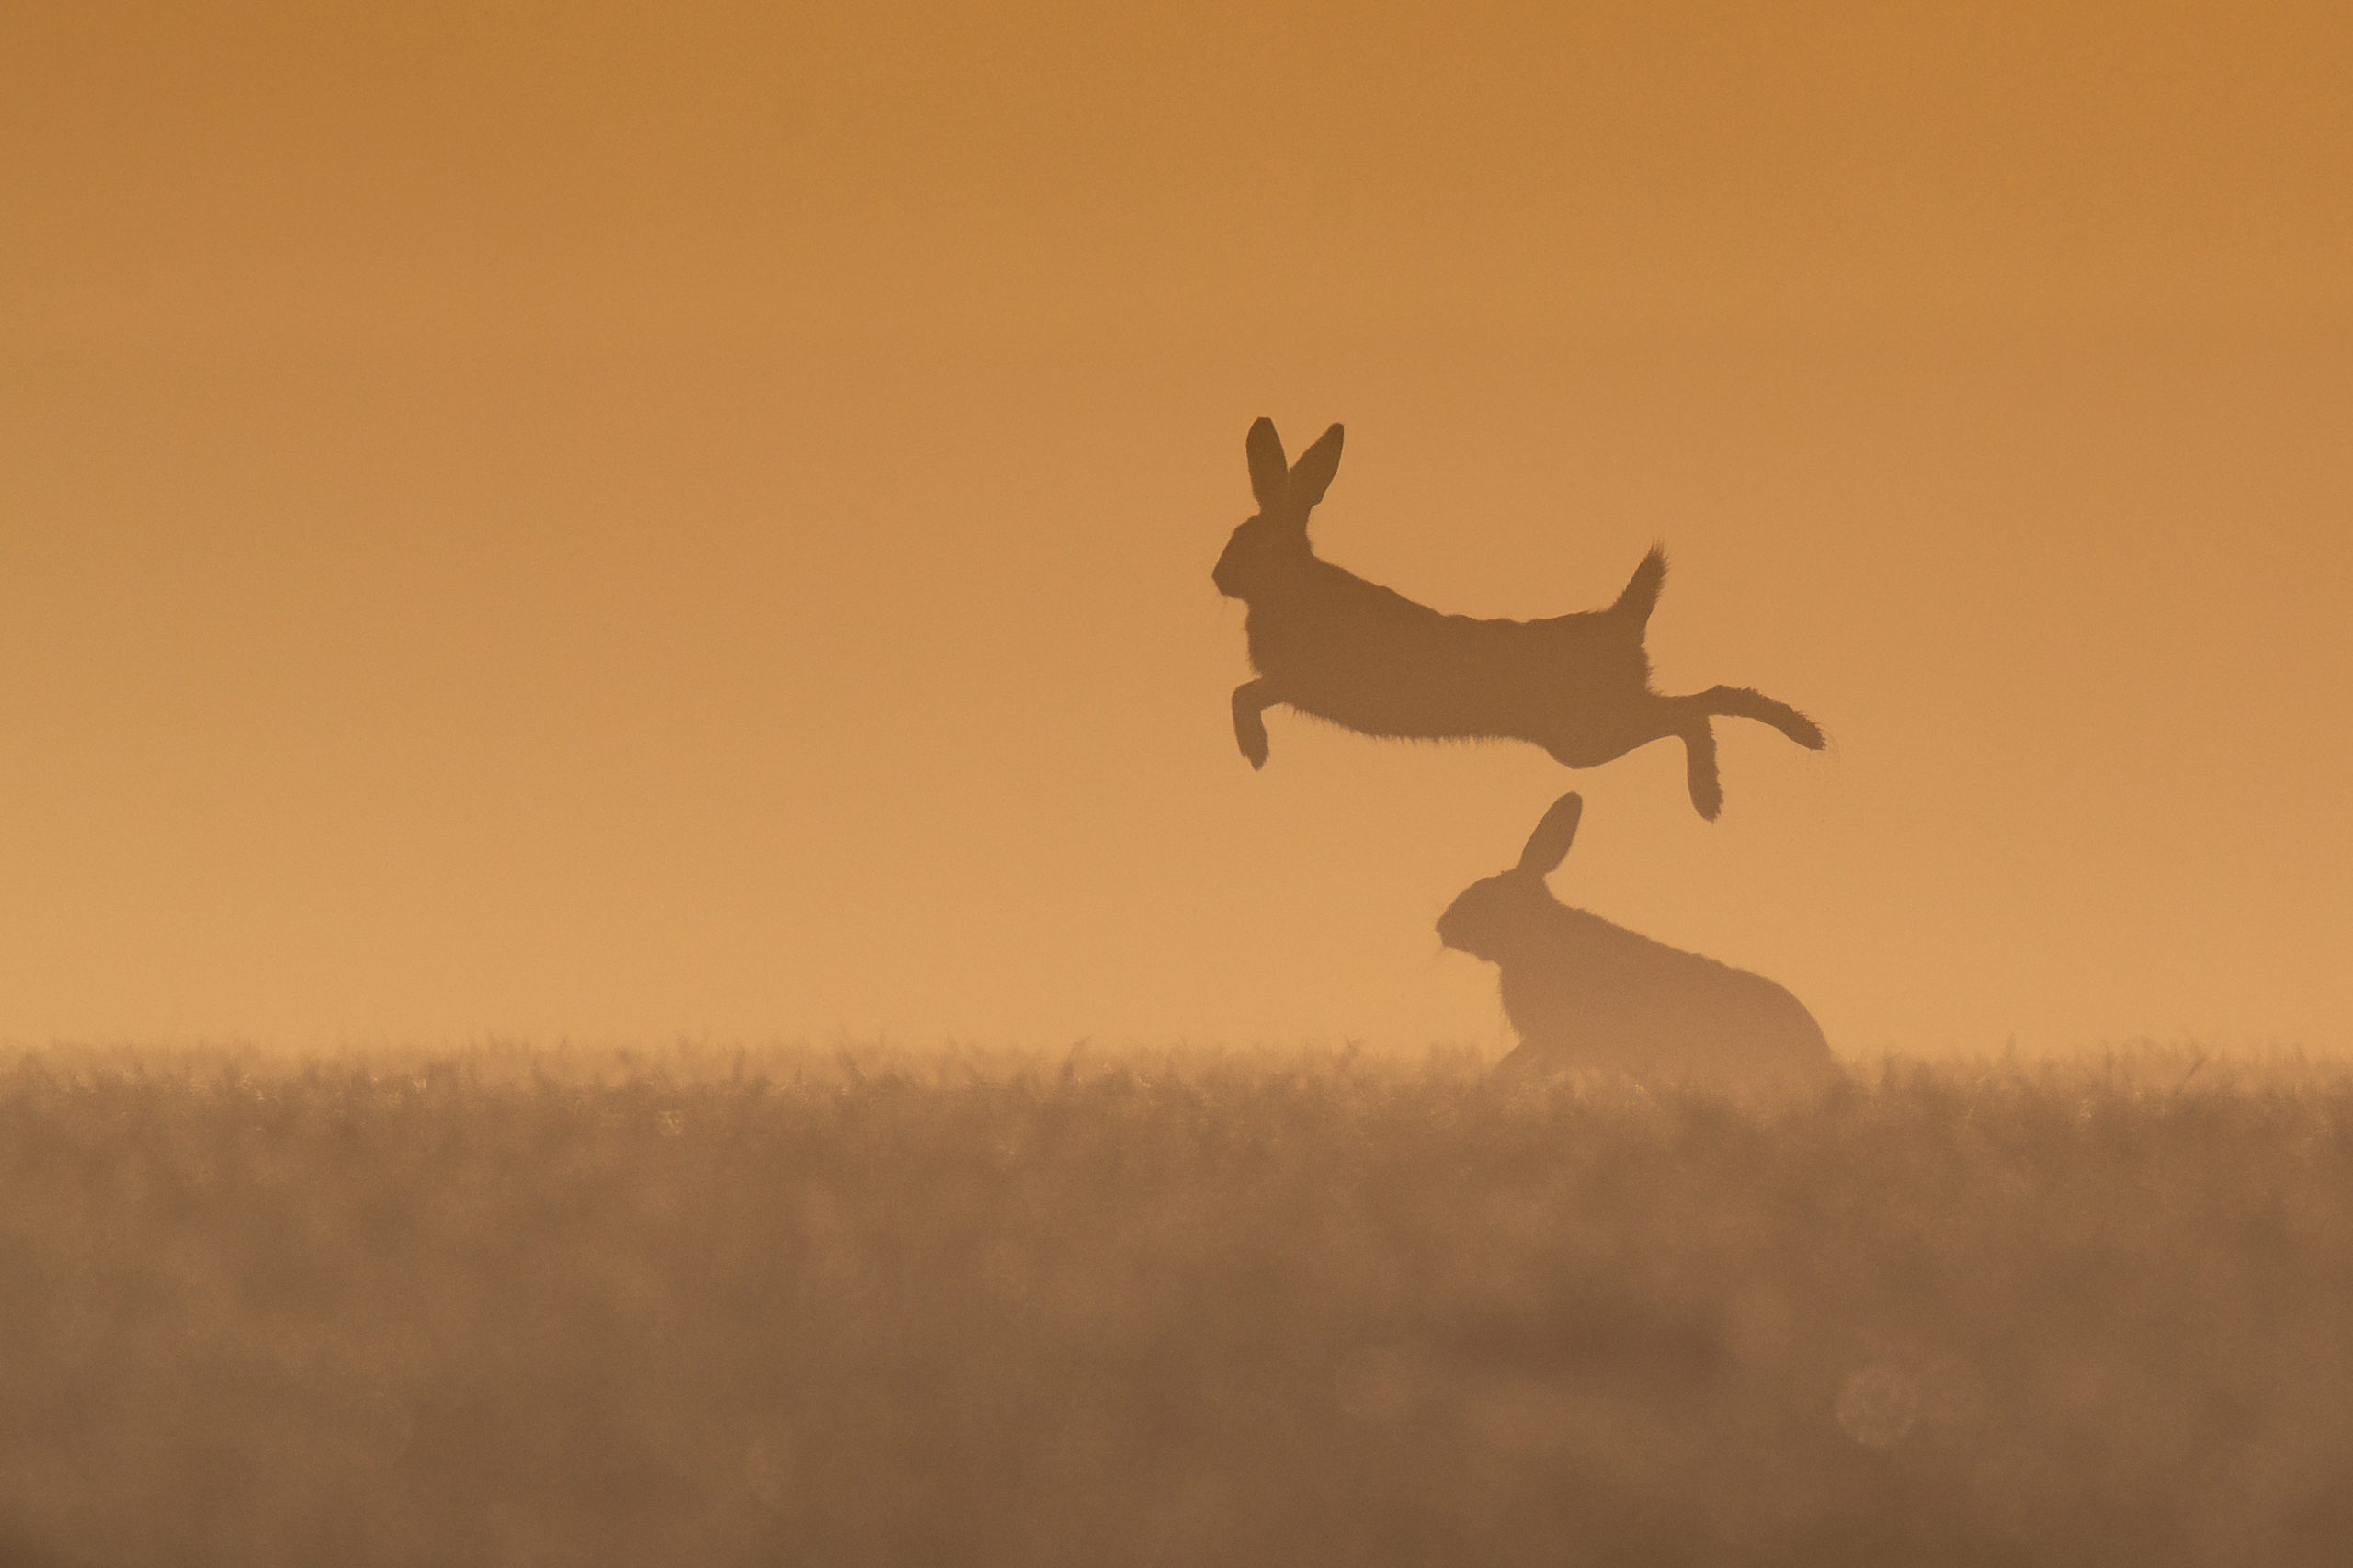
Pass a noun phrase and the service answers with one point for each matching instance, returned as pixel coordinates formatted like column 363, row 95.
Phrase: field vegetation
column 856, row 1307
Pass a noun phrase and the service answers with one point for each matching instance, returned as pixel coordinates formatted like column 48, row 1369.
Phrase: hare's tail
column 1641, row 594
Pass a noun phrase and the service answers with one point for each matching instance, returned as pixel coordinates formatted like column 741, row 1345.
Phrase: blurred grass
column 515, row 1307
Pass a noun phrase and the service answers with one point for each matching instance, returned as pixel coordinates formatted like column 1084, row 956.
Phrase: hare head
column 1496, row 915
column 1274, row 542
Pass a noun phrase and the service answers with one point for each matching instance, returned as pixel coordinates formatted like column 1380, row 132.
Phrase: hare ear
column 1549, row 844
column 1312, row 474
column 1269, row 475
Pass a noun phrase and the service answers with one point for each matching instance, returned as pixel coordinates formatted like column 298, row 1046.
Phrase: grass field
column 509, row 1307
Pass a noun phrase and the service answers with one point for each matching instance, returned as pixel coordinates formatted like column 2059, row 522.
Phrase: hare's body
column 1588, row 993
column 1585, row 993
column 1329, row 644
column 1370, row 659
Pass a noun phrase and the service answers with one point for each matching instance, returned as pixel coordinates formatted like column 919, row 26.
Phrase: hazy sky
column 533, row 518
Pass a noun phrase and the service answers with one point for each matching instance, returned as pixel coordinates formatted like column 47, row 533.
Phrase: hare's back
column 1381, row 664
column 1613, row 999
column 1710, row 1019
column 1413, row 673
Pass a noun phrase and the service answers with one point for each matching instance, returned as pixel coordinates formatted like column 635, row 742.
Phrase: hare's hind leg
column 1699, row 737
column 1251, row 700
column 1652, row 717
column 1700, row 773
column 1740, row 702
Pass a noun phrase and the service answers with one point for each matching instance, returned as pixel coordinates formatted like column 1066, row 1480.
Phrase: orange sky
column 528, row 518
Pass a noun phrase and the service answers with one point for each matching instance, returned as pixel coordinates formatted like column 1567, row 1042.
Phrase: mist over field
column 744, row 521
column 862, row 1306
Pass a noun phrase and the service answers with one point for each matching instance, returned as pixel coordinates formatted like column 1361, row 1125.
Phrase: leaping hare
column 1584, row 992
column 1334, row 645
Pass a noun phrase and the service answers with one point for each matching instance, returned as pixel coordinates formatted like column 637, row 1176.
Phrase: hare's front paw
column 1250, row 699
column 1250, row 735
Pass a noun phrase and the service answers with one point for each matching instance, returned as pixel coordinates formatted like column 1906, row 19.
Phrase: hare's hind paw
column 1805, row 732
column 1700, row 770
column 1708, row 796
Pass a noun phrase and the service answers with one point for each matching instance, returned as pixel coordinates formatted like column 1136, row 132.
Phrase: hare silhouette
column 1585, row 993
column 1329, row 644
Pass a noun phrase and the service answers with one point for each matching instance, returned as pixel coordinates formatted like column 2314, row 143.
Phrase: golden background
column 540, row 519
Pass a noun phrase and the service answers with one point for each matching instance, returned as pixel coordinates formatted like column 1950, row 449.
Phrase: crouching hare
column 1582, row 992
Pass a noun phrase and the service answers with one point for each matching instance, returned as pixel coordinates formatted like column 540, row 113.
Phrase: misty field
column 860, row 1308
